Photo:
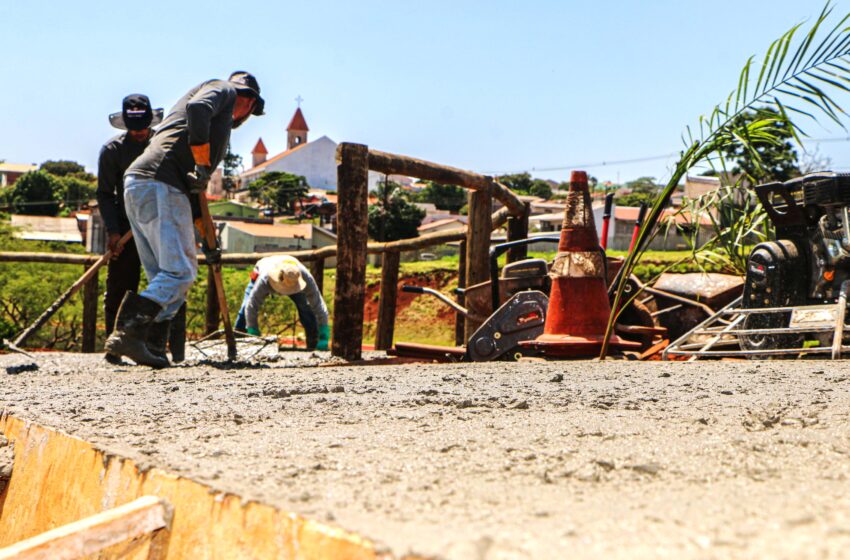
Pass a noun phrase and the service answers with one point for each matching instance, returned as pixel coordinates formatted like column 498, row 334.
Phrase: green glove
column 253, row 331
column 324, row 337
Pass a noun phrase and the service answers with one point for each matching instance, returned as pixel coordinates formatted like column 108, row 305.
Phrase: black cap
column 247, row 84
column 136, row 113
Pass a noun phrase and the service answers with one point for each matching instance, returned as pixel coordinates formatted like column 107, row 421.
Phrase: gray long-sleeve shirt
column 203, row 115
column 115, row 157
column 262, row 289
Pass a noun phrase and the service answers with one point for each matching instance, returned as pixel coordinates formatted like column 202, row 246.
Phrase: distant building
column 552, row 221
column 445, row 224
column 48, row 228
column 10, row 172
column 668, row 239
column 231, row 208
column 698, row 186
column 239, row 237
column 315, row 161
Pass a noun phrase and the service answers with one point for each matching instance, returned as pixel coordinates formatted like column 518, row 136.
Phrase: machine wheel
column 773, row 280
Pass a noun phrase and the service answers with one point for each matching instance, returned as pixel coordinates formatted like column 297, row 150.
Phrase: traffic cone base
column 567, row 346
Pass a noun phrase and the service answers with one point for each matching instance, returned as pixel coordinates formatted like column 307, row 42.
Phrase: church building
column 315, row 161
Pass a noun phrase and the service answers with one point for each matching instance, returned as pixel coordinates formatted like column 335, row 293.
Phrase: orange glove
column 201, row 153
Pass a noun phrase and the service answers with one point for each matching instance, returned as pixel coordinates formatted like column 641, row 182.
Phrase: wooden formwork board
column 59, row 479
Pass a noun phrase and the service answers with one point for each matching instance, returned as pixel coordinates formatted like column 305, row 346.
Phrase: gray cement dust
column 615, row 460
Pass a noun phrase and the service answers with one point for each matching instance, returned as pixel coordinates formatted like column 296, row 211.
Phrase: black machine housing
column 810, row 258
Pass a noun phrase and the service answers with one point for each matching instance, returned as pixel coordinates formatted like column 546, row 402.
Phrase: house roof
column 285, row 231
column 261, row 167
column 441, row 223
column 552, row 217
column 17, row 167
column 708, row 180
column 549, row 205
column 630, row 214
column 259, row 147
column 298, row 122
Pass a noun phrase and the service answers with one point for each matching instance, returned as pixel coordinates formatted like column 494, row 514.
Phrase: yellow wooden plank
column 92, row 534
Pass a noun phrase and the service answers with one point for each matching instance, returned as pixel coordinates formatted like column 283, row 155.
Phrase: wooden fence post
column 460, row 340
column 352, row 238
column 90, row 290
column 317, row 269
column 478, row 246
column 387, row 303
column 518, row 229
column 212, row 314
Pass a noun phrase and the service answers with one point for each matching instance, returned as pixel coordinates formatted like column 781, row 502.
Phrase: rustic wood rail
column 354, row 163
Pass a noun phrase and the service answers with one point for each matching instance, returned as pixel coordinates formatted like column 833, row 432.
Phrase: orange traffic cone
column 578, row 304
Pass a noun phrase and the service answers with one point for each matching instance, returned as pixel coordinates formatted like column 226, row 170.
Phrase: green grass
column 26, row 289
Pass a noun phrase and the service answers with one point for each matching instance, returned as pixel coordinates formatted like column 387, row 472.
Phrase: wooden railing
column 354, row 163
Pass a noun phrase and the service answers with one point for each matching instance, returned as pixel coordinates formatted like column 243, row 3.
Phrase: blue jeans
column 161, row 219
column 305, row 315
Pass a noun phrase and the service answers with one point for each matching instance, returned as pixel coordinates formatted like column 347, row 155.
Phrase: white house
column 315, row 161
column 552, row 221
column 48, row 228
column 446, row 224
column 241, row 237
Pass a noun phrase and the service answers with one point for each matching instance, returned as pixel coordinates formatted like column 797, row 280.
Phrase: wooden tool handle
column 75, row 287
column 212, row 243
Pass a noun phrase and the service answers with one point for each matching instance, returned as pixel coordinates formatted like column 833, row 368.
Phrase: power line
column 638, row 160
column 589, row 165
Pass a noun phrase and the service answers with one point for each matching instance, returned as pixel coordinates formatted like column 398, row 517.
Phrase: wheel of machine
column 774, row 279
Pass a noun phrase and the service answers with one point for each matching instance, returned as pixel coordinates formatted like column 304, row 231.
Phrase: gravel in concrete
column 551, row 460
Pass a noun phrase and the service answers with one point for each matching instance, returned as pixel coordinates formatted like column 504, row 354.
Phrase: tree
column 231, row 163
column 540, row 188
column 37, row 193
column 643, row 189
column 62, row 167
column 520, row 183
column 279, row 190
column 524, row 183
column 763, row 161
column 394, row 217
column 75, row 191
column 76, row 185
column 444, row 197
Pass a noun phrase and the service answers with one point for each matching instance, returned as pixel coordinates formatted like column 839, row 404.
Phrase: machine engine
column 810, row 259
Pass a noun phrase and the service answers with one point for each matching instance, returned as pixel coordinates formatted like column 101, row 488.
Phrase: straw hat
column 285, row 278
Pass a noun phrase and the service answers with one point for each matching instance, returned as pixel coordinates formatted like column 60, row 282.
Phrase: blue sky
column 492, row 86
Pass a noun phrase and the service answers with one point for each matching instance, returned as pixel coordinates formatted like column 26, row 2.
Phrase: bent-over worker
column 286, row 276
column 177, row 164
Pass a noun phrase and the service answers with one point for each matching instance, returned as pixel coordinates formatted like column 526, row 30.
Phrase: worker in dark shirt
column 122, row 275
column 177, row 164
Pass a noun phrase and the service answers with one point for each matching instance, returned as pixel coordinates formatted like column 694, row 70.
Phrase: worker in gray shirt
column 284, row 275
column 176, row 165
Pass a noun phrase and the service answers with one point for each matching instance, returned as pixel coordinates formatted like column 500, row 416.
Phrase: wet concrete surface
column 533, row 460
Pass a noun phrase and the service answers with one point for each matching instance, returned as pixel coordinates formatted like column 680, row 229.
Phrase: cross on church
column 299, row 99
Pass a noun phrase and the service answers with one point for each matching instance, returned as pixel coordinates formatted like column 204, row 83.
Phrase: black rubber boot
column 131, row 331
column 177, row 337
column 158, row 338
